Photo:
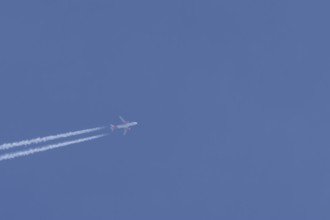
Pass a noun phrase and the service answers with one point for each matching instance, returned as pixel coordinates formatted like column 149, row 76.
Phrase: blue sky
column 231, row 99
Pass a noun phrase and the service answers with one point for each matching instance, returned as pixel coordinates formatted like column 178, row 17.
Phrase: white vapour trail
column 46, row 148
column 47, row 138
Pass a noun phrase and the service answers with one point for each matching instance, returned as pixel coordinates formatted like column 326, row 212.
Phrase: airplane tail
column 113, row 127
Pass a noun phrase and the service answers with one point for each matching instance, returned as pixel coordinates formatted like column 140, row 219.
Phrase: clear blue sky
column 232, row 100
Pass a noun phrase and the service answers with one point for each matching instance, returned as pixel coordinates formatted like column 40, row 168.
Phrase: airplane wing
column 122, row 119
column 125, row 131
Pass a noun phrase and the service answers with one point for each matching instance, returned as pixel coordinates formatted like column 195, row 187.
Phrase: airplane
column 126, row 125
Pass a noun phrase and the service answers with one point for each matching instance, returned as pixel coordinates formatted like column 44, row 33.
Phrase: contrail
column 47, row 138
column 46, row 148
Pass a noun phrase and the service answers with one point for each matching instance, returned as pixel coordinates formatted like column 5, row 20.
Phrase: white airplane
column 126, row 125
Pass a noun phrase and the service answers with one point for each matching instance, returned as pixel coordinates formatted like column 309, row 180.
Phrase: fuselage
column 126, row 125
